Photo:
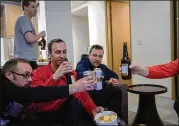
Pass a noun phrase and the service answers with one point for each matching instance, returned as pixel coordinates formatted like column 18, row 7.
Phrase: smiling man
column 65, row 111
column 110, row 96
column 16, row 76
column 26, row 39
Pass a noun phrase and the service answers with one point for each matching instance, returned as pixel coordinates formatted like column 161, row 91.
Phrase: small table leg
column 147, row 112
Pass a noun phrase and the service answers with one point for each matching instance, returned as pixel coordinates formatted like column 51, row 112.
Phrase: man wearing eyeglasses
column 16, row 93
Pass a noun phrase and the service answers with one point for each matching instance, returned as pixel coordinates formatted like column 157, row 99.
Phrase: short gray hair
column 11, row 65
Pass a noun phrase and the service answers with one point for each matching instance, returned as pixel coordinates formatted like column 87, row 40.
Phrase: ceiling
column 76, row 3
column 81, row 13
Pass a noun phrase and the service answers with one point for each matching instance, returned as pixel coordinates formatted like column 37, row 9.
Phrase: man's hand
column 83, row 84
column 42, row 34
column 137, row 69
column 97, row 110
column 113, row 81
column 64, row 68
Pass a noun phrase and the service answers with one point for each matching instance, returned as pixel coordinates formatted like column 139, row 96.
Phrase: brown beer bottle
column 43, row 44
column 125, row 62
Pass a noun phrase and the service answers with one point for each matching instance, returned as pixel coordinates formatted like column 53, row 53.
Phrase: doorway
column 80, row 30
column 118, row 31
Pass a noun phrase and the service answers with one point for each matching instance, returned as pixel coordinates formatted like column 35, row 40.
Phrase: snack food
column 107, row 118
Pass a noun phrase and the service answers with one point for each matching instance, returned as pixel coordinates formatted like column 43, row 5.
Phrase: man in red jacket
column 64, row 110
column 157, row 72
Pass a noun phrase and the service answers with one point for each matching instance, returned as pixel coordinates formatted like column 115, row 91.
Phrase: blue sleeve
column 113, row 74
column 80, row 69
column 25, row 25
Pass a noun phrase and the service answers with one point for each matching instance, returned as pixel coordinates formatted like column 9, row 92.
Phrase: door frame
column 174, row 44
column 109, row 31
column 109, row 34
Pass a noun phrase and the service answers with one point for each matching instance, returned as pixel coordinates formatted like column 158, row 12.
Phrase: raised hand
column 83, row 84
column 64, row 68
column 137, row 69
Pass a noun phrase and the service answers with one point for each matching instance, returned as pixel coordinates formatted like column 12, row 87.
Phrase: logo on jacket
column 13, row 109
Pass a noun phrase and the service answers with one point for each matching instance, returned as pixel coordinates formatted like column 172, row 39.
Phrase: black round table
column 147, row 111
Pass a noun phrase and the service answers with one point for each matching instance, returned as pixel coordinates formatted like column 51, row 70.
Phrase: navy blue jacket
column 85, row 65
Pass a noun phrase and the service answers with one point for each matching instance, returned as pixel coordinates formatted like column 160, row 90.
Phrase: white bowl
column 113, row 122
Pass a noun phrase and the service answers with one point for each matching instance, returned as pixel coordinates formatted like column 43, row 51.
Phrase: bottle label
column 98, row 76
column 124, row 69
column 72, row 79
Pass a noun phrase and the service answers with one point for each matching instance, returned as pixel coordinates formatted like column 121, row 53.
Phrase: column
column 56, row 20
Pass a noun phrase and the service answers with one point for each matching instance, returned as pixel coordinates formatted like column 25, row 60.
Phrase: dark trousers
column 86, row 119
column 33, row 64
column 67, row 115
column 109, row 97
column 176, row 106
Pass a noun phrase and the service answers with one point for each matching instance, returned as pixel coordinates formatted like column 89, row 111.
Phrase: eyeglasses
column 25, row 76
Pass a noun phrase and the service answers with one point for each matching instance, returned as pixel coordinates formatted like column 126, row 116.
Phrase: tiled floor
column 164, row 107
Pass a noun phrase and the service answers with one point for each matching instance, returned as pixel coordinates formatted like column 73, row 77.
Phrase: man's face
column 32, row 8
column 59, row 53
column 96, row 57
column 21, row 77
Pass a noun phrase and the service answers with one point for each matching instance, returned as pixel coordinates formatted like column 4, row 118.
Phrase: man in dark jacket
column 110, row 96
column 15, row 93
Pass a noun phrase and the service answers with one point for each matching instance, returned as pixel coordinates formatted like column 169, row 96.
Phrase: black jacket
column 84, row 65
column 13, row 99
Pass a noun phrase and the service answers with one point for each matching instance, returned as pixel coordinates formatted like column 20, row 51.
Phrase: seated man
column 66, row 110
column 158, row 72
column 110, row 96
column 16, row 93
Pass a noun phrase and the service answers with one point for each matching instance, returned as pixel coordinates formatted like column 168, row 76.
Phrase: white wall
column 150, row 32
column 42, row 17
column 2, row 52
column 6, row 49
column 97, row 25
column 80, row 37
column 59, row 23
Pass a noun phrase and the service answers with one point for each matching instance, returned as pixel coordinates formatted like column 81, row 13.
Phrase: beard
column 96, row 64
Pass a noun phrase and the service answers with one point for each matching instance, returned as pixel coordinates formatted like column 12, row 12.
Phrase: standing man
column 26, row 39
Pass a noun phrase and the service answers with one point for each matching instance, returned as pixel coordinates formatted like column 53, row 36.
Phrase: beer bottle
column 40, row 57
column 125, row 62
column 43, row 44
column 69, row 76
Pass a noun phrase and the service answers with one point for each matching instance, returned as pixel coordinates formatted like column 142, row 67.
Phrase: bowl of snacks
column 106, row 118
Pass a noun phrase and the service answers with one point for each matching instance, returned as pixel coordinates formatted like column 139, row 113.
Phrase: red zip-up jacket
column 163, row 71
column 43, row 77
